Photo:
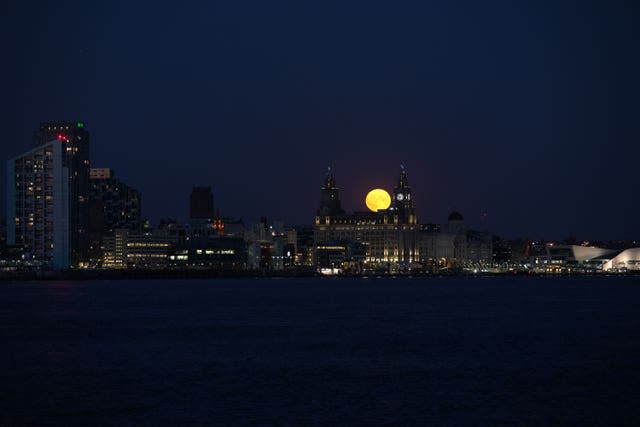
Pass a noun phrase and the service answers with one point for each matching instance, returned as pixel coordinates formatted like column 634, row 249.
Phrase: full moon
column 377, row 199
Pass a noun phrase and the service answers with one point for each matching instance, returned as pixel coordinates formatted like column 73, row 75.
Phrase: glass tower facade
column 75, row 157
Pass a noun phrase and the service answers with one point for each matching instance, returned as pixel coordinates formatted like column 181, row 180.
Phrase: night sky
column 524, row 110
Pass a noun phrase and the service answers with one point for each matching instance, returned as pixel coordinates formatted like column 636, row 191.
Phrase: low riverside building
column 628, row 259
column 579, row 258
column 471, row 248
column 124, row 250
column 212, row 252
column 343, row 256
column 157, row 250
column 271, row 247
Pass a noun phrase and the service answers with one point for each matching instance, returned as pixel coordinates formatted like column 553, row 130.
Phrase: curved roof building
column 628, row 258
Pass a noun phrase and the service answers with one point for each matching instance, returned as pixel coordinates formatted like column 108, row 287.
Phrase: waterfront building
column 502, row 252
column 335, row 256
column 74, row 138
column 230, row 227
column 203, row 222
column 260, row 245
column 471, row 247
column 391, row 236
column 212, row 252
column 271, row 247
column 304, row 246
column 627, row 259
column 435, row 249
column 209, row 243
column 38, row 192
column 112, row 205
column 586, row 258
column 457, row 228
column 479, row 248
column 172, row 230
column 124, row 249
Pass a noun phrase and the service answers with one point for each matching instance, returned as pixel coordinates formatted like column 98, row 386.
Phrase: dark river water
column 311, row 352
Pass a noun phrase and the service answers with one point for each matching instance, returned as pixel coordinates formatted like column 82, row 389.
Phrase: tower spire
column 329, row 196
column 403, row 181
column 329, row 180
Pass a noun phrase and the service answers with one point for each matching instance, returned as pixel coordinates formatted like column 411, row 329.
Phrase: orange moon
column 377, row 199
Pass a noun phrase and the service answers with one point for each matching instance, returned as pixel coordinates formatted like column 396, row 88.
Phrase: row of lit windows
column 147, row 245
column 377, row 227
column 216, row 251
column 146, row 256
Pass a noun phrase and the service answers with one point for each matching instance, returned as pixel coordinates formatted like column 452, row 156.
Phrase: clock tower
column 329, row 196
column 402, row 202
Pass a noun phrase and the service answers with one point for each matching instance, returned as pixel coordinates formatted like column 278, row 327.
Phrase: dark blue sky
column 526, row 110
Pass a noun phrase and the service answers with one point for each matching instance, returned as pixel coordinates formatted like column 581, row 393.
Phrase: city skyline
column 530, row 119
column 320, row 213
column 352, row 202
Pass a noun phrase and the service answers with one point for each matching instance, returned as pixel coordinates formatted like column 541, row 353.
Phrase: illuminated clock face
column 400, row 197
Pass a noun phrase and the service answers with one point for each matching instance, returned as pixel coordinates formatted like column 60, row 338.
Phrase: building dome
column 455, row 216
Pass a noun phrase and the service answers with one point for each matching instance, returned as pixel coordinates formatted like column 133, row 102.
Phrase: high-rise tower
column 201, row 203
column 75, row 157
column 329, row 196
column 402, row 202
column 38, row 203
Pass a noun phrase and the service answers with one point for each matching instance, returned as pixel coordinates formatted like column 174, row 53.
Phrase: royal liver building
column 391, row 237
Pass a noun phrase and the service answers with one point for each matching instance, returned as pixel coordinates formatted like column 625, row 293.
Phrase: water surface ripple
column 292, row 352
